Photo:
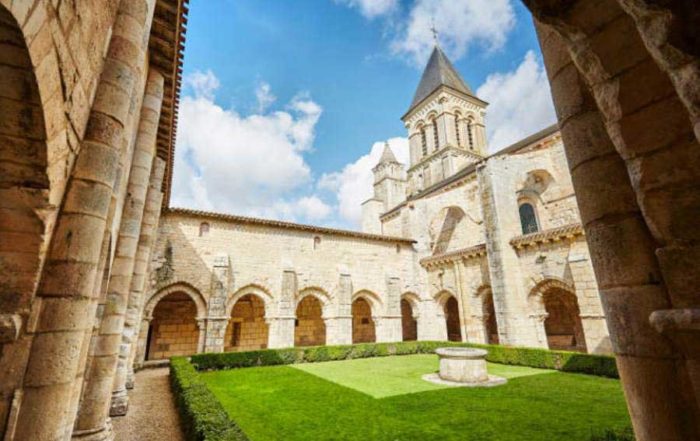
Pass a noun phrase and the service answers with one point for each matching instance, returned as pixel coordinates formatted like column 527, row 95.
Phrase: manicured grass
column 385, row 399
column 388, row 376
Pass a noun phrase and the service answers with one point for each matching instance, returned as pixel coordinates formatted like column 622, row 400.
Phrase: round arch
column 488, row 314
column 554, row 302
column 318, row 293
column 311, row 308
column 448, row 309
column 25, row 184
column 174, row 314
column 183, row 287
column 253, row 289
column 375, row 302
column 441, row 297
column 414, row 300
column 410, row 312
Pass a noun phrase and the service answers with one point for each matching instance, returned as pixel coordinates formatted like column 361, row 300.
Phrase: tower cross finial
column 434, row 31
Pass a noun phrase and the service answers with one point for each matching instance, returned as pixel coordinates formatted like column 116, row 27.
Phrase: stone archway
column 247, row 329
column 173, row 329
column 309, row 327
column 24, row 182
column 562, row 324
column 489, row 318
column 363, row 327
column 451, row 310
column 409, row 324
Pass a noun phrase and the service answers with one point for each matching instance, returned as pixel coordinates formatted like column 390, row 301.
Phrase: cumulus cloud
column 372, row 8
column 263, row 93
column 245, row 164
column 203, row 84
column 353, row 184
column 520, row 103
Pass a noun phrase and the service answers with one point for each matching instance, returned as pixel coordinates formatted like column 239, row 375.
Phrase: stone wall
column 174, row 328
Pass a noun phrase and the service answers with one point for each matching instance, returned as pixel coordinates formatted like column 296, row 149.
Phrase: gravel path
column 152, row 415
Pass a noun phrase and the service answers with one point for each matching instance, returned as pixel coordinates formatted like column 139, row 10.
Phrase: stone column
column 623, row 253
column 339, row 327
column 133, row 323
column 281, row 331
column 202, row 328
column 66, row 292
column 148, row 169
column 142, row 343
column 216, row 315
column 95, row 405
column 388, row 327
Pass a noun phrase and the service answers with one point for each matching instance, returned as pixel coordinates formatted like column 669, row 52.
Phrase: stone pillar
column 216, row 315
column 144, row 174
column 95, row 407
column 388, row 327
column 65, row 294
column 133, row 325
column 339, row 327
column 623, row 253
column 202, row 328
column 281, row 331
column 142, row 343
column 215, row 331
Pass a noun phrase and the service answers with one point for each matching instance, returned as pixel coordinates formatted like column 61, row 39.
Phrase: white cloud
column 353, row 184
column 245, row 164
column 372, row 8
column 460, row 25
column 520, row 103
column 263, row 93
column 203, row 83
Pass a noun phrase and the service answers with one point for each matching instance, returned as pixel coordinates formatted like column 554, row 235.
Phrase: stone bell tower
column 445, row 125
column 389, row 190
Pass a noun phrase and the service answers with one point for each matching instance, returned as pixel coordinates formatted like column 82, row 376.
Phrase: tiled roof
column 288, row 225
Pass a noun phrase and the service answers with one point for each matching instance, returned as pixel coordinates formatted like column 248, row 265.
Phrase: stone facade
column 88, row 111
column 456, row 258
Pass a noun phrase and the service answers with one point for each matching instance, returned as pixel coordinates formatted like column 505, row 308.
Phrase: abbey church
column 457, row 245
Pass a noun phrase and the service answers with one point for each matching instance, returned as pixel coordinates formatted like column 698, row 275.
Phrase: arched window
column 436, row 138
column 457, row 118
column 317, row 242
column 424, row 141
column 203, row 229
column 528, row 218
column 470, row 134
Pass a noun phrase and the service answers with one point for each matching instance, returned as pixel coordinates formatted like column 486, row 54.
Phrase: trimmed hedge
column 601, row 365
column 202, row 416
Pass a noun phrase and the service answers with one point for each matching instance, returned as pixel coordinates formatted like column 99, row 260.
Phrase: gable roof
column 438, row 72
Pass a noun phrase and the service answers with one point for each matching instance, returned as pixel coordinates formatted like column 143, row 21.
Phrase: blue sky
column 287, row 103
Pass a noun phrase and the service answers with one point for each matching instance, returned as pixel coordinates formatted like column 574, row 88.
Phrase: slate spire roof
column 438, row 72
column 387, row 155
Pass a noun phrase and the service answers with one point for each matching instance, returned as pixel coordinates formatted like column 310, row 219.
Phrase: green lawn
column 386, row 399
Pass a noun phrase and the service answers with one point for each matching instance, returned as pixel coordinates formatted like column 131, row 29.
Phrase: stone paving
column 152, row 414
